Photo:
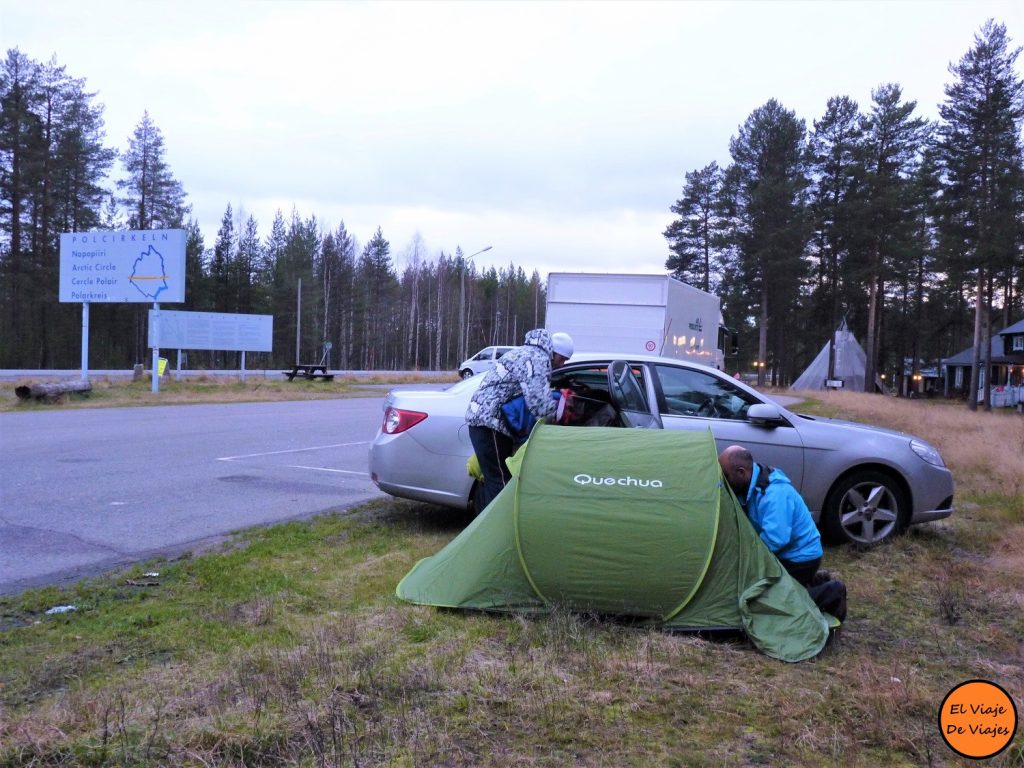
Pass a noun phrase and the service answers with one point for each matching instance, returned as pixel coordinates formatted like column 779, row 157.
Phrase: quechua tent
column 624, row 522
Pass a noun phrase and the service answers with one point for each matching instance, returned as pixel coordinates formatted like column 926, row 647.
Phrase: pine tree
column 52, row 161
column 376, row 277
column 221, row 274
column 153, row 197
column 835, row 169
column 695, row 237
column 251, row 297
column 979, row 151
column 769, row 192
column 195, row 278
column 891, row 150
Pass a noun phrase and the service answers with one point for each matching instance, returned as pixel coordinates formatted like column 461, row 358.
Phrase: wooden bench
column 309, row 372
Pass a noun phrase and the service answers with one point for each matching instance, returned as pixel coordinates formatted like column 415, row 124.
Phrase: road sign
column 211, row 331
column 139, row 266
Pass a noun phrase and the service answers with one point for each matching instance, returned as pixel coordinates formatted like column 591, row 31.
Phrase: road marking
column 291, row 450
column 325, row 469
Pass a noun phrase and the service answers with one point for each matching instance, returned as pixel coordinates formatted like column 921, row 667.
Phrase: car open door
column 629, row 398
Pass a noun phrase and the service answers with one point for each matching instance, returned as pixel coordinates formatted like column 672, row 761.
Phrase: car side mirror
column 765, row 415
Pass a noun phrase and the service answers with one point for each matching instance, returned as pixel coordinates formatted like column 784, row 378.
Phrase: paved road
column 83, row 491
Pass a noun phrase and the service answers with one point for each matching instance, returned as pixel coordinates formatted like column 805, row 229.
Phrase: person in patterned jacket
column 525, row 371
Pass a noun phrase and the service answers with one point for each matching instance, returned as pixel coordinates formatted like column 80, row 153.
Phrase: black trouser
column 491, row 448
column 802, row 572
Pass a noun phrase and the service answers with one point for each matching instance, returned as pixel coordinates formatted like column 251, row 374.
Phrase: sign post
column 85, row 341
column 154, row 325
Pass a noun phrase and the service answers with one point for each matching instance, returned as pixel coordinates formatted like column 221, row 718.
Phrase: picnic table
column 309, row 372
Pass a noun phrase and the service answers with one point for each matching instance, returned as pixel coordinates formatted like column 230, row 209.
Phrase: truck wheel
column 465, row 373
column 866, row 507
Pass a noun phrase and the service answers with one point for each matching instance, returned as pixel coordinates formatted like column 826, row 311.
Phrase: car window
column 689, row 392
column 591, row 402
column 592, row 380
column 501, row 351
column 485, row 354
column 626, row 388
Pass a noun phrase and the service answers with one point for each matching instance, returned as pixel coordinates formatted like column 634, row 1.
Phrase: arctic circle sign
column 138, row 266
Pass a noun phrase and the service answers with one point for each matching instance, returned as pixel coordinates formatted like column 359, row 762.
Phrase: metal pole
column 156, row 348
column 85, row 341
column 243, row 367
column 462, row 315
column 298, row 321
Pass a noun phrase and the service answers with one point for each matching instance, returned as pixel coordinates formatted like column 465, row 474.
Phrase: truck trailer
column 638, row 314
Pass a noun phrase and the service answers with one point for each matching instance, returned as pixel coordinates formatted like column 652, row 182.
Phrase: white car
column 862, row 483
column 482, row 361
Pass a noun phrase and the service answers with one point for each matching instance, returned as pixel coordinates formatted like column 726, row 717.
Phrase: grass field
column 293, row 650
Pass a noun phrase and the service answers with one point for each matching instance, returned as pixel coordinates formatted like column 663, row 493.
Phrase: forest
column 910, row 229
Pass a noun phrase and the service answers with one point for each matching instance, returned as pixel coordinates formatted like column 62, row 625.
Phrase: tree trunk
column 762, row 339
column 986, row 346
column 972, row 392
column 52, row 392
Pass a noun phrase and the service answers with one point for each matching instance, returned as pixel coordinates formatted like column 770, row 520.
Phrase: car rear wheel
column 865, row 508
column 465, row 373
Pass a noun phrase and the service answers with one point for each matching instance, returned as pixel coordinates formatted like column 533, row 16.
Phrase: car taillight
column 397, row 420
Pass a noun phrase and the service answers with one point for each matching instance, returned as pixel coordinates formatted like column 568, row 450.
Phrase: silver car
column 862, row 483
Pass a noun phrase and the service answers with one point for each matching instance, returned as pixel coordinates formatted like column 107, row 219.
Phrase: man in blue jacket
column 777, row 512
column 524, row 371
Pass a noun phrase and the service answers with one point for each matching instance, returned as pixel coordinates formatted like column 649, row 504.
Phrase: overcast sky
column 558, row 133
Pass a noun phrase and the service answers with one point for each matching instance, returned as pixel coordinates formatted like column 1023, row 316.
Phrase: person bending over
column 525, row 371
column 777, row 512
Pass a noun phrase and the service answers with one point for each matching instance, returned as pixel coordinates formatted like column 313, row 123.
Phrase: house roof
column 1016, row 328
column 966, row 357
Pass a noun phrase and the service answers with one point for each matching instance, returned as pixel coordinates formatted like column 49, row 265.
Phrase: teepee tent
column 849, row 368
column 628, row 522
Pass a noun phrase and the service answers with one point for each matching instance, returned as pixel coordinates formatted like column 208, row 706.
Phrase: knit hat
column 561, row 343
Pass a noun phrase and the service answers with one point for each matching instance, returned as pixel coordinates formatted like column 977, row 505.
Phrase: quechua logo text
column 628, row 481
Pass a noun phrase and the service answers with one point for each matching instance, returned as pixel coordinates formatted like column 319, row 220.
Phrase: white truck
column 638, row 314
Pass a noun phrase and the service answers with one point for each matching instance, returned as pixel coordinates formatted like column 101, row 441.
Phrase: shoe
column 820, row 578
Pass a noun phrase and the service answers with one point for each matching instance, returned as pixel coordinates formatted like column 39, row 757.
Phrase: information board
column 141, row 266
column 210, row 331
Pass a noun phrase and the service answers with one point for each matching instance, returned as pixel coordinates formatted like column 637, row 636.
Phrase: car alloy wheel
column 864, row 508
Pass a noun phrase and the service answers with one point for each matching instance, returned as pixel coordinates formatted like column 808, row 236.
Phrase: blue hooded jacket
column 781, row 518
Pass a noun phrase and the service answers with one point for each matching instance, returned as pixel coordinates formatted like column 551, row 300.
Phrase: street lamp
column 462, row 305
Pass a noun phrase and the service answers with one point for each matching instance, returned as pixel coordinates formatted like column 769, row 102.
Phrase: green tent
column 625, row 522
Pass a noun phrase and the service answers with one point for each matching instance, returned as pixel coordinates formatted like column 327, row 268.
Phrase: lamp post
column 462, row 304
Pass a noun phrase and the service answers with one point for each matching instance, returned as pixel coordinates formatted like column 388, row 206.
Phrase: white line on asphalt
column 325, row 469
column 291, row 450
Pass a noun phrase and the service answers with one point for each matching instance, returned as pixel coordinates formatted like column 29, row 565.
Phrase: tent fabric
column 623, row 522
column 850, row 364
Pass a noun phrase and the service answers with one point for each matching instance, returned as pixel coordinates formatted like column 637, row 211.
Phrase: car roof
column 600, row 357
